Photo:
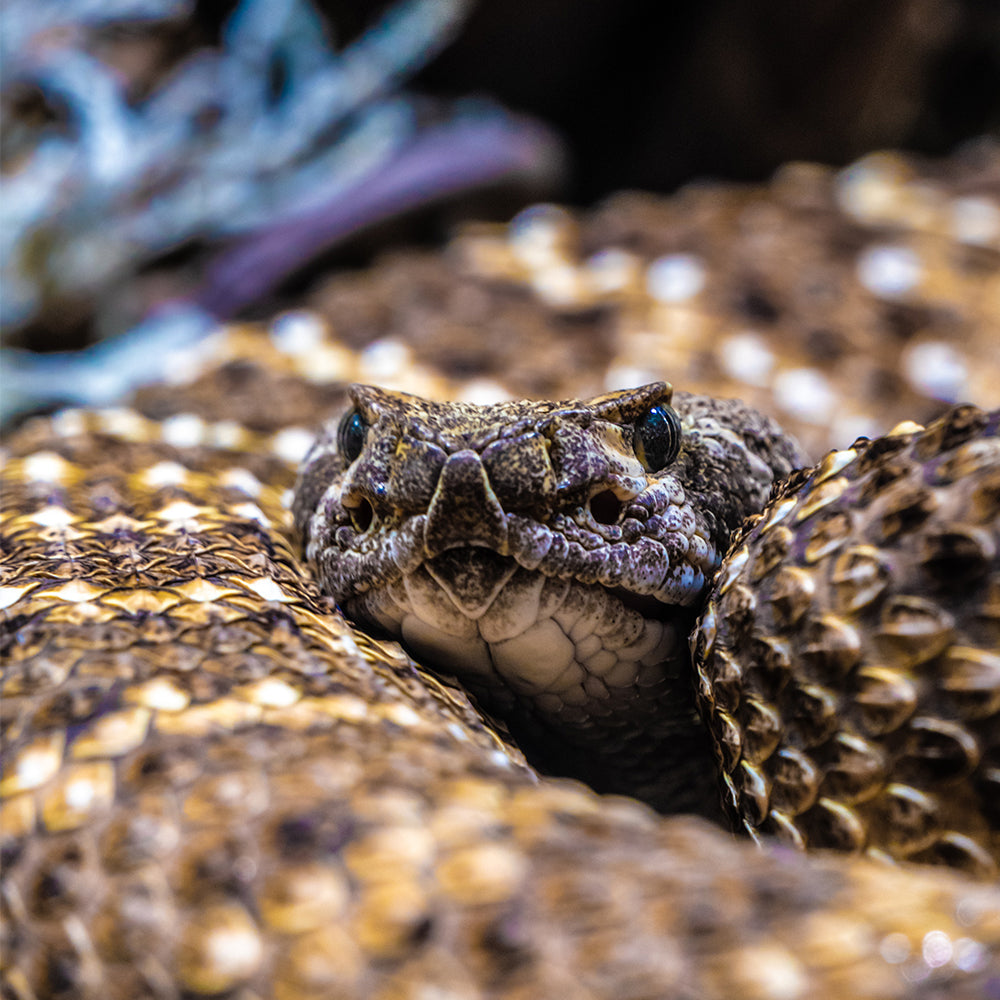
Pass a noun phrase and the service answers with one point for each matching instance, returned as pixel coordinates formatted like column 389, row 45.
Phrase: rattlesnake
column 213, row 785
column 527, row 548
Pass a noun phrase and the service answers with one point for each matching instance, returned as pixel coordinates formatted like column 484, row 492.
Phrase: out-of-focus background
column 169, row 163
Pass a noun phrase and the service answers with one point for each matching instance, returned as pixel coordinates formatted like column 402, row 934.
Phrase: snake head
column 551, row 555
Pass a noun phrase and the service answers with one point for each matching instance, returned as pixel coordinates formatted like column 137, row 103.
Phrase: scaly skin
column 213, row 786
column 146, row 856
column 849, row 659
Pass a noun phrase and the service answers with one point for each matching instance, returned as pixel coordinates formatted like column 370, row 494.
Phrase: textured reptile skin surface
column 214, row 786
column 855, row 637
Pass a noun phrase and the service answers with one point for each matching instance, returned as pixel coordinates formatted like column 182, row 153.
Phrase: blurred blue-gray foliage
column 269, row 148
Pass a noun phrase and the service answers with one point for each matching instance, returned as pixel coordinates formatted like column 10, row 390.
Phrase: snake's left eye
column 351, row 435
column 658, row 437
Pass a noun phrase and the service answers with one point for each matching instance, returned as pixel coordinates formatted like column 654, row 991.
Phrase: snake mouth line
column 483, row 570
column 472, row 610
column 593, row 681
column 647, row 605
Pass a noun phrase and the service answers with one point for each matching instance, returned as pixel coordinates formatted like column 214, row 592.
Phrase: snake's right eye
column 351, row 435
column 658, row 437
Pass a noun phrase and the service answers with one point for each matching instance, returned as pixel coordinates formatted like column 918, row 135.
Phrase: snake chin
column 647, row 605
column 569, row 666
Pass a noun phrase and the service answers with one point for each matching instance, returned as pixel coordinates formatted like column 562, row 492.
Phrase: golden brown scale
column 212, row 786
column 850, row 655
column 837, row 302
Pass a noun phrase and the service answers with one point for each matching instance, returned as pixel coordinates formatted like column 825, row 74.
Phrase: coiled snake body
column 214, row 786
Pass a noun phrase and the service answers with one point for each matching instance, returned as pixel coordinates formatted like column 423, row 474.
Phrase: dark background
column 651, row 94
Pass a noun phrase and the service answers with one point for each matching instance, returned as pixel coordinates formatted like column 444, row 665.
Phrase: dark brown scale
column 888, row 706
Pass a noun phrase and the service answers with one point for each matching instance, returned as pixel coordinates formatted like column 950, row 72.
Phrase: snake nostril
column 605, row 507
column 362, row 516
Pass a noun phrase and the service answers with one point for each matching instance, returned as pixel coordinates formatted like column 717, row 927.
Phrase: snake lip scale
column 551, row 555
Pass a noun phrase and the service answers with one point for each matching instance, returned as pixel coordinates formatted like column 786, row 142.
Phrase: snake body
column 850, row 654
column 212, row 785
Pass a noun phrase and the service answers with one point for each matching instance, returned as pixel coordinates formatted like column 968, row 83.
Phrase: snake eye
column 351, row 435
column 658, row 437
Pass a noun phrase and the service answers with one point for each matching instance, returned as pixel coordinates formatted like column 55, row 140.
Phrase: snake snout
column 362, row 514
column 464, row 510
